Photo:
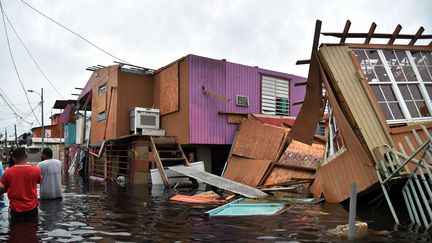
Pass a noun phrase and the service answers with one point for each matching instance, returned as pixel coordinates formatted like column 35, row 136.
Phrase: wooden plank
column 246, row 171
column 302, row 62
column 296, row 167
column 186, row 161
column 388, row 47
column 234, row 119
column 159, row 164
column 300, row 84
column 407, row 128
column 279, row 153
column 233, row 113
column 298, row 102
column 220, row 182
column 416, row 36
column 258, row 141
column 375, row 35
column 370, row 33
column 164, row 140
column 345, row 32
column 307, row 120
column 304, row 127
column 169, row 89
column 394, row 35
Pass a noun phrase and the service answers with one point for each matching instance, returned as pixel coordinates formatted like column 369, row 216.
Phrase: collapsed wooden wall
column 255, row 146
column 261, row 155
column 362, row 126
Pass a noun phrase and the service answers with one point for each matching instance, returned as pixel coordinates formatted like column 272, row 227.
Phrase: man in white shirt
column 51, row 170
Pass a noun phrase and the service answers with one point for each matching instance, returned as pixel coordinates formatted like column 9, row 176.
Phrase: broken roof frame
column 392, row 37
column 144, row 70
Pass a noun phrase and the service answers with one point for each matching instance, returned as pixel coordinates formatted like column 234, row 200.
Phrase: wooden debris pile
column 264, row 156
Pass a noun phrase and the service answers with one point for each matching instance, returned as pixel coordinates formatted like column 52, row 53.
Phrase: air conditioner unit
column 143, row 119
column 242, row 100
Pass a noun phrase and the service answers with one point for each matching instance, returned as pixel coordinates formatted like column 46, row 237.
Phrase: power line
column 7, row 103
column 73, row 32
column 14, row 104
column 31, row 56
column 23, row 119
column 13, row 60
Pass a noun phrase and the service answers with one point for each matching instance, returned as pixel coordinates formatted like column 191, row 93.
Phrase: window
column 274, row 96
column 101, row 116
column 401, row 82
column 102, row 89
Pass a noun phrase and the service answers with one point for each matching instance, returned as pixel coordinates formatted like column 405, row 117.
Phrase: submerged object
column 236, row 208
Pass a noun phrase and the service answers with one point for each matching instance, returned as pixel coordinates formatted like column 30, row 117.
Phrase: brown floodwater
column 106, row 212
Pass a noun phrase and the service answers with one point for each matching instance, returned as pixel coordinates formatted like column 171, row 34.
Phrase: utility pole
column 43, row 128
column 42, row 108
column 16, row 139
column 5, row 138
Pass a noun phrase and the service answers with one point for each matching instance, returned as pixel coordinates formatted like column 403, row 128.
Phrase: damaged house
column 196, row 102
column 380, row 119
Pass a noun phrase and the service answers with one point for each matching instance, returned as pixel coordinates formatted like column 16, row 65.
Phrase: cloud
column 270, row 34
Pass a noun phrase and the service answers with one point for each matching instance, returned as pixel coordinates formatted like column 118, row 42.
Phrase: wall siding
column 206, row 125
column 109, row 75
column 133, row 90
column 228, row 80
column 177, row 123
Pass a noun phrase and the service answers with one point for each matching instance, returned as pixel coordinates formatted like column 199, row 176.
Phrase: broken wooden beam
column 345, row 32
column 370, row 33
column 395, row 34
column 416, row 36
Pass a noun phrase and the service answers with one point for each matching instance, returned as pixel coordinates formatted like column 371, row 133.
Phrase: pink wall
column 228, row 80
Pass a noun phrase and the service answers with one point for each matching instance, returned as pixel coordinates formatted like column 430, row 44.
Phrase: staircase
column 417, row 191
column 167, row 152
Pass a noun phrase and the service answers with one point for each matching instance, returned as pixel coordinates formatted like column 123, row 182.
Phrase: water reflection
column 50, row 212
column 105, row 212
column 23, row 230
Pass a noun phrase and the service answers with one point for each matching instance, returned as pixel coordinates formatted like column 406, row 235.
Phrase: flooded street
column 106, row 212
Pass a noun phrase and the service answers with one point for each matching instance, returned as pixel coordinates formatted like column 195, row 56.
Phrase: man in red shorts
column 20, row 183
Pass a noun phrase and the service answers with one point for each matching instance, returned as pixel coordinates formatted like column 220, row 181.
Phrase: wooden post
column 159, row 164
column 352, row 212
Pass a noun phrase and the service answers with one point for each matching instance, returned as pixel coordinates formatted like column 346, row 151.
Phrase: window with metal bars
column 274, row 96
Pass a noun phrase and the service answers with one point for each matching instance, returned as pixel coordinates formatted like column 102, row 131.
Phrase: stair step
column 164, row 140
column 169, row 151
column 171, row 159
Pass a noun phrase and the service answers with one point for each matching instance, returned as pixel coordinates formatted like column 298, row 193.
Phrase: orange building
column 54, row 130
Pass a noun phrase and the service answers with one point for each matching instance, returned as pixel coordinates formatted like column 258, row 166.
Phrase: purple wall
column 227, row 79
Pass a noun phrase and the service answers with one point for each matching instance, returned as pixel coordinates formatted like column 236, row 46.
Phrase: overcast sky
column 268, row 34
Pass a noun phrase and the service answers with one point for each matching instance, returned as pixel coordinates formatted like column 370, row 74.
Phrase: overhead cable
column 73, row 32
column 13, row 61
column 29, row 53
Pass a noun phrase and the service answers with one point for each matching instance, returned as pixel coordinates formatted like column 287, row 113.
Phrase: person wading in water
column 20, row 183
column 51, row 170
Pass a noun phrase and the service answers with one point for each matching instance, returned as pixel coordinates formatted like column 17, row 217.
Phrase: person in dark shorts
column 20, row 183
